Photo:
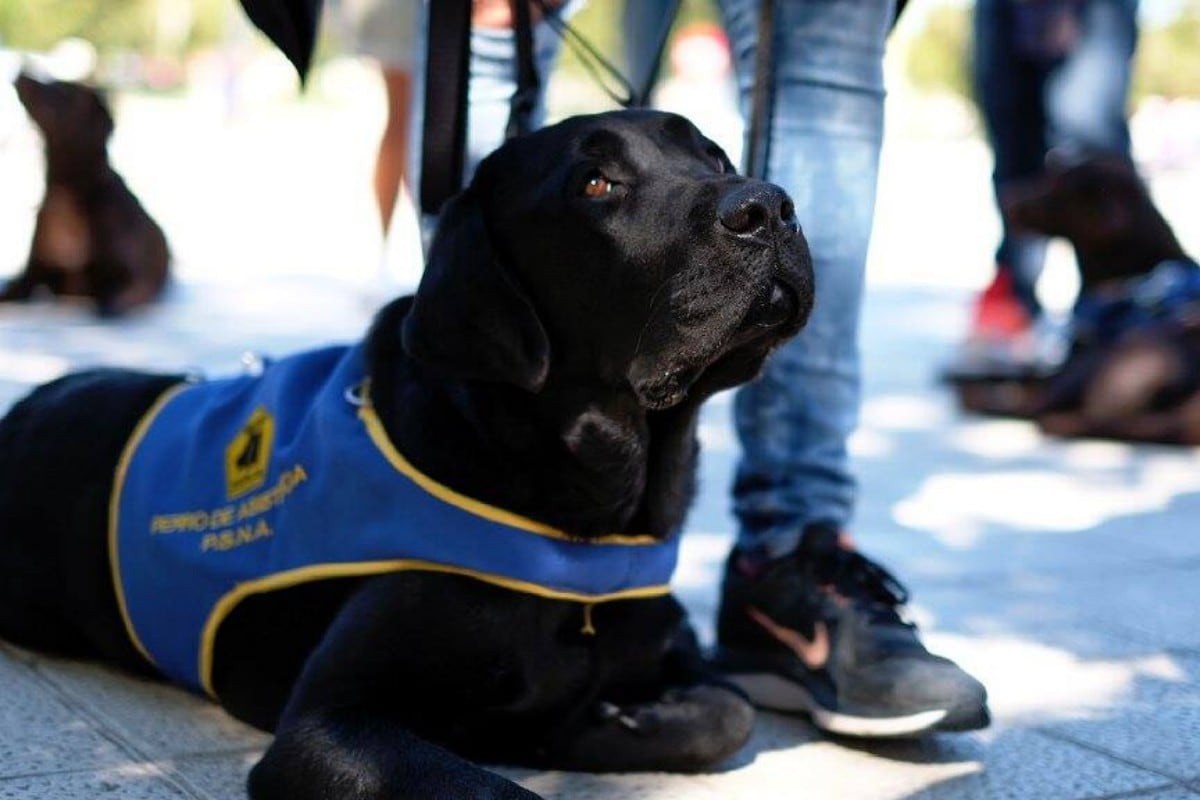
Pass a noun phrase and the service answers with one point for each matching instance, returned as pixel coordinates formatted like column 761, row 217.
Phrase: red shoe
column 998, row 314
column 1002, row 341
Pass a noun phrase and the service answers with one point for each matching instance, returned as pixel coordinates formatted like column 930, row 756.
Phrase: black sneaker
column 818, row 631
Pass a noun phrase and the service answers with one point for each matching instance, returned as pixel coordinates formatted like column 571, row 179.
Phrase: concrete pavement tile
column 148, row 713
column 132, row 782
column 631, row 786
column 1139, row 611
column 39, row 733
column 1020, row 764
column 938, row 516
column 1155, row 606
column 772, row 732
column 1044, row 660
column 787, row 760
column 1032, row 609
column 220, row 777
column 1157, row 726
column 1172, row 534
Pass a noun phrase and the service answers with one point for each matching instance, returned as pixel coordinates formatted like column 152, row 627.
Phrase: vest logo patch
column 249, row 454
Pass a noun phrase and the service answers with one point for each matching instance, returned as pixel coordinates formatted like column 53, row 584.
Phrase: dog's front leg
column 697, row 721
column 355, row 754
column 687, row 729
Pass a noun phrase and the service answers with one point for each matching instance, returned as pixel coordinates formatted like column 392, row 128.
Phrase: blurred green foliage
column 1167, row 62
column 599, row 22
column 1168, row 58
column 936, row 57
column 145, row 26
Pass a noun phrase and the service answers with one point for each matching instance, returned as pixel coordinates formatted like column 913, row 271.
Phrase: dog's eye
column 598, row 187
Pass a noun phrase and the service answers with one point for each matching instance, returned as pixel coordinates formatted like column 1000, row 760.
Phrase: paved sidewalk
column 1064, row 575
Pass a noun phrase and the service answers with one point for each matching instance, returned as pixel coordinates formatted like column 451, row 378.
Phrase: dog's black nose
column 755, row 209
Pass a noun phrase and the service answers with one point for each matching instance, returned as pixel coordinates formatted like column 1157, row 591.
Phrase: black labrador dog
column 1131, row 369
column 93, row 239
column 591, row 287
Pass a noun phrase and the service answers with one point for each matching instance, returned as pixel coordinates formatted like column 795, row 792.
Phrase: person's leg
column 806, row 623
column 1087, row 94
column 385, row 31
column 793, row 422
column 1009, row 90
column 391, row 162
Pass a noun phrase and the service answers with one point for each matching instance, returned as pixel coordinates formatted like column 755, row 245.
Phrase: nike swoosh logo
column 814, row 653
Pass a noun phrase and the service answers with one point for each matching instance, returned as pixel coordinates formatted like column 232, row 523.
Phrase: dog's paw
column 685, row 730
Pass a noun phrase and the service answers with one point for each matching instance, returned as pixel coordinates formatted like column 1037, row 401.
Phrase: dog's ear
column 470, row 316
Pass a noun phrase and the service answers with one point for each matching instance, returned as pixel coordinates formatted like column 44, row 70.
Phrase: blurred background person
column 391, row 32
column 1051, row 79
column 392, row 35
column 385, row 31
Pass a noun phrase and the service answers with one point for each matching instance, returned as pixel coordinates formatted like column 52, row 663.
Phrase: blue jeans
column 827, row 127
column 1034, row 103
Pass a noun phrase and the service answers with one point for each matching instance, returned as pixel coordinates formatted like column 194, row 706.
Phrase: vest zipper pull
column 588, row 629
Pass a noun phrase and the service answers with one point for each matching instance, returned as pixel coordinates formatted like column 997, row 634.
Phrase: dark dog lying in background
column 1133, row 368
column 596, row 282
column 92, row 239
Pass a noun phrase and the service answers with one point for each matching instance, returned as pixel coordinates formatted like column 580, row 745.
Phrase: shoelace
column 874, row 589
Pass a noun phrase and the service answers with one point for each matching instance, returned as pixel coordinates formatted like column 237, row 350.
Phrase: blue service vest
column 1165, row 295
column 235, row 487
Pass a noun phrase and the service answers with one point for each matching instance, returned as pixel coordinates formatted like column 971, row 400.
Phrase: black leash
column 444, row 126
column 602, row 71
column 524, row 99
column 762, row 96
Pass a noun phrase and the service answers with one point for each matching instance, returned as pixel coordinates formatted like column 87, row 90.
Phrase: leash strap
column 524, row 99
column 599, row 69
column 762, row 97
column 444, row 127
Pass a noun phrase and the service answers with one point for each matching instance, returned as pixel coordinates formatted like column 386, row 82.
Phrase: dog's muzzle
column 779, row 306
column 762, row 214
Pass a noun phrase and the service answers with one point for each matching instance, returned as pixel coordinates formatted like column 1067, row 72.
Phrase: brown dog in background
column 1133, row 368
column 92, row 238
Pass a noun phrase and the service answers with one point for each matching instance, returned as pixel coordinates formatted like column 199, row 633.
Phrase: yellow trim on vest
column 114, row 506
column 444, row 493
column 294, row 577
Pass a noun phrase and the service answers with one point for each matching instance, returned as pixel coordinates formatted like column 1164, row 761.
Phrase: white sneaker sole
column 776, row 694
